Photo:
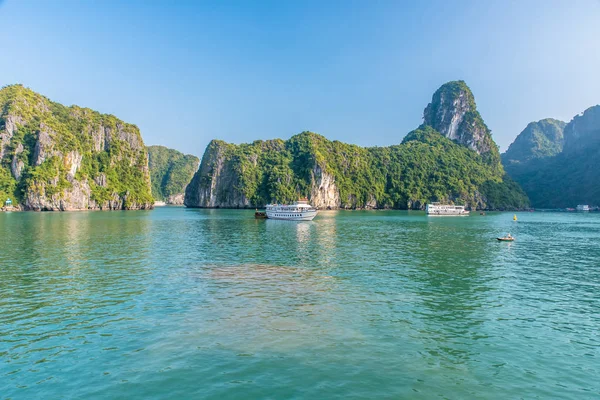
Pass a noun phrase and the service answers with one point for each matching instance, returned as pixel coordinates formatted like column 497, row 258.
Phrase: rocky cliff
column 583, row 131
column 570, row 176
column 453, row 113
column 460, row 164
column 539, row 139
column 170, row 173
column 54, row 157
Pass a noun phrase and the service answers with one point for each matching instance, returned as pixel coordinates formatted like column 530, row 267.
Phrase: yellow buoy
column 515, row 217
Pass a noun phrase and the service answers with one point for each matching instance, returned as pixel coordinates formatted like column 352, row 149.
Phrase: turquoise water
column 181, row 303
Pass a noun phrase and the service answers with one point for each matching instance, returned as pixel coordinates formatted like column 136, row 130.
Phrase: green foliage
column 539, row 139
column 50, row 177
column 504, row 195
column 8, row 186
column 170, row 171
column 108, row 147
column 565, row 180
column 556, row 164
column 426, row 167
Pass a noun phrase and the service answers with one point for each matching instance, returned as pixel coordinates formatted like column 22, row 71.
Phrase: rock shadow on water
column 252, row 308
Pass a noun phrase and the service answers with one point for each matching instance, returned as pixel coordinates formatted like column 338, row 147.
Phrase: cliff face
column 324, row 193
column 54, row 157
column 453, row 113
column 170, row 173
column 539, row 139
column 568, row 177
column 583, row 131
column 255, row 174
column 428, row 166
column 216, row 183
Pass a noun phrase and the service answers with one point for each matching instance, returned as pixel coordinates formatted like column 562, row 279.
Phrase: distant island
column 556, row 163
column 170, row 173
column 451, row 157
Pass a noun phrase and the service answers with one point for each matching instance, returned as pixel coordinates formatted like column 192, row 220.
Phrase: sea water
column 181, row 303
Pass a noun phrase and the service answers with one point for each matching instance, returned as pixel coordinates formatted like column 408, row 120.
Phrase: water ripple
column 178, row 303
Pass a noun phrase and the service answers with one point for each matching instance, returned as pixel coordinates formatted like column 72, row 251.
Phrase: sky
column 356, row 71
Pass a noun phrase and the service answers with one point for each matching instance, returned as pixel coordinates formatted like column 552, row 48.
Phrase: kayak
column 506, row 239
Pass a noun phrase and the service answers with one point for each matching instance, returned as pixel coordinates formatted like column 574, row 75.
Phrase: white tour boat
column 445, row 209
column 299, row 211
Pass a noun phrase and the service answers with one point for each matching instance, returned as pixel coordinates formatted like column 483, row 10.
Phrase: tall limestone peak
column 583, row 130
column 453, row 113
column 539, row 139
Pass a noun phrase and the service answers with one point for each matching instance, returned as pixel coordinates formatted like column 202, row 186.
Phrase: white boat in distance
column 299, row 211
column 445, row 209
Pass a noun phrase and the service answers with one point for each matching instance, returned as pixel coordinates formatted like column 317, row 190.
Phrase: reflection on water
column 303, row 232
column 178, row 303
column 452, row 268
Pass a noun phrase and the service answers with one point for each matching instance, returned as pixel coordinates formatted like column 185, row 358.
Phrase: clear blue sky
column 356, row 71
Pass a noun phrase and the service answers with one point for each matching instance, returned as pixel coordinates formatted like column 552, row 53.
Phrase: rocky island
column 451, row 157
column 170, row 173
column 556, row 163
column 538, row 140
column 54, row 157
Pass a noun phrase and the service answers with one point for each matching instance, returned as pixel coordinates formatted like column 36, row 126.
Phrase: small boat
column 506, row 239
column 260, row 215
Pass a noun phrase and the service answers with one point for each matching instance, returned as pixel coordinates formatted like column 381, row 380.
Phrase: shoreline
column 366, row 209
column 163, row 204
column 15, row 209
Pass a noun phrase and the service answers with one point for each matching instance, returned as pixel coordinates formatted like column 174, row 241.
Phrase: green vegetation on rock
column 8, row 186
column 559, row 172
column 170, row 172
column 461, row 166
column 539, row 139
column 54, row 157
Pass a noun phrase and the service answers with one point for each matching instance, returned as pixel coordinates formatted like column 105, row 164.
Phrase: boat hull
column 292, row 216
column 436, row 209
column 434, row 214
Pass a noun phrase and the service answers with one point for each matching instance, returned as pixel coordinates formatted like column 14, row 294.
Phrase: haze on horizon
column 359, row 72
